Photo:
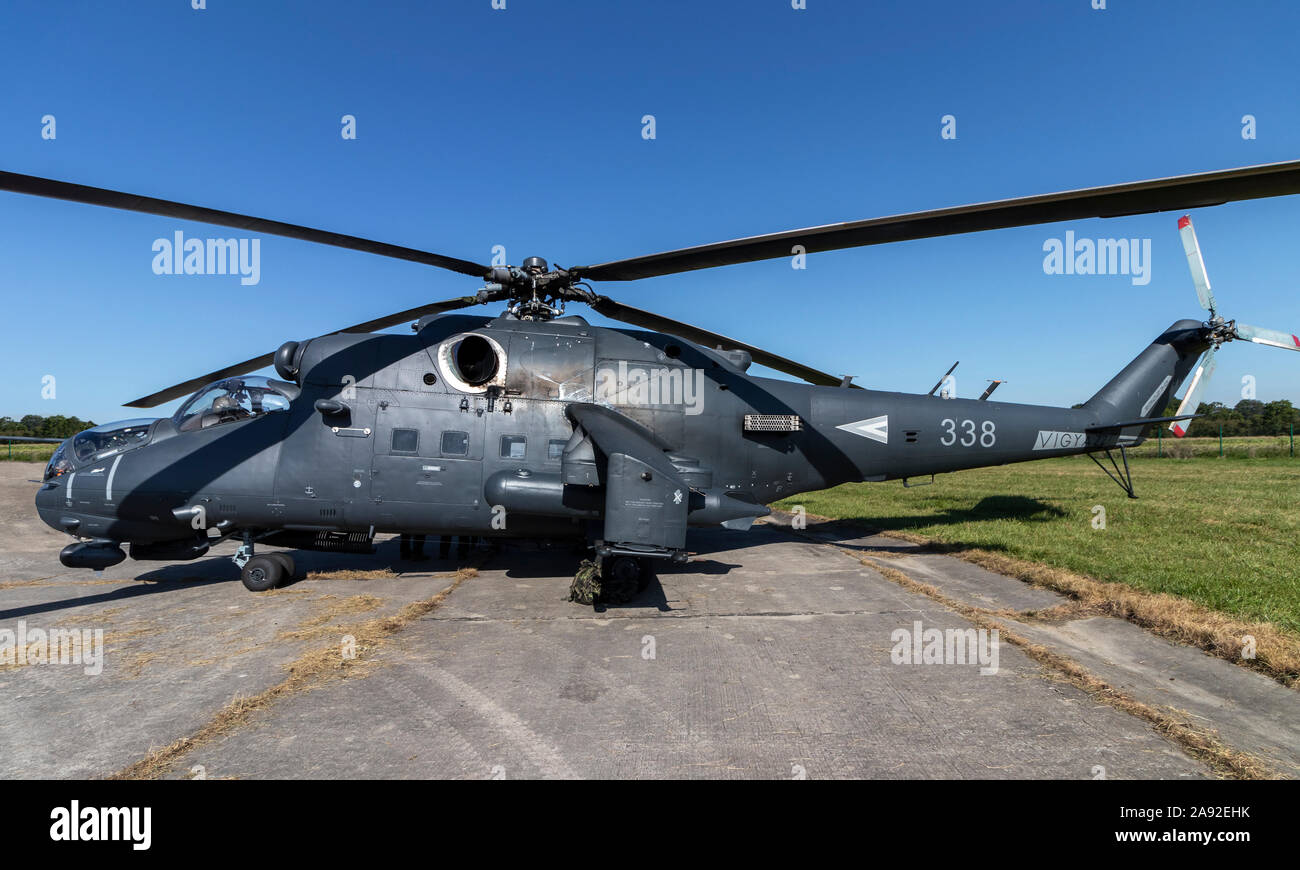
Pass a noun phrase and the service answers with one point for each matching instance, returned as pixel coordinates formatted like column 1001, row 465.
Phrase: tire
column 621, row 579
column 262, row 573
column 287, row 562
column 643, row 579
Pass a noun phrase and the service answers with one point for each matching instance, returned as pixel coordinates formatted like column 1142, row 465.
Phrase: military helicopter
column 535, row 424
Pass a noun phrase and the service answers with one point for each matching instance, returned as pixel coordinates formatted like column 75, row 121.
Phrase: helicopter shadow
column 708, row 567
column 651, row 595
column 521, row 562
column 993, row 507
column 541, row 562
column 385, row 562
column 173, row 578
column 715, row 542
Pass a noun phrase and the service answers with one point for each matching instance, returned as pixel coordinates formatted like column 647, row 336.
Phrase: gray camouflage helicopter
column 536, row 424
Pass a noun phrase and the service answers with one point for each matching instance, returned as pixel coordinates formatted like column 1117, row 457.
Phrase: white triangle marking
column 875, row 428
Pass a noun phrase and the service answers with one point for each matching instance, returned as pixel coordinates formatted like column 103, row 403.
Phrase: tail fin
column 1146, row 385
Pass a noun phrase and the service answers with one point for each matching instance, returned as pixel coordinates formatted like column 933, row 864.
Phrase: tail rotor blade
column 1192, row 398
column 1270, row 337
column 1196, row 264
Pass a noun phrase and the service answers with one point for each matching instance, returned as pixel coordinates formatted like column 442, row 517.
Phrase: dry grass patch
column 310, row 670
column 113, row 642
column 1198, row 742
column 1217, row 532
column 331, row 608
column 16, row 584
column 1277, row 652
column 351, row 574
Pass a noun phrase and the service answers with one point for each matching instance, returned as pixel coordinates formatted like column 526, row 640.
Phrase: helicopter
column 533, row 423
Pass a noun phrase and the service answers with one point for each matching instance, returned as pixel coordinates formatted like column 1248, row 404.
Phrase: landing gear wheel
column 262, row 573
column 287, row 561
column 622, row 578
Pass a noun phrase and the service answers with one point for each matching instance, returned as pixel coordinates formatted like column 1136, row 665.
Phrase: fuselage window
column 555, row 450
column 513, row 446
column 406, row 440
column 455, row 443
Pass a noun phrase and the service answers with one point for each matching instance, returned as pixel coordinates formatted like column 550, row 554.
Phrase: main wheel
column 622, row 577
column 262, row 573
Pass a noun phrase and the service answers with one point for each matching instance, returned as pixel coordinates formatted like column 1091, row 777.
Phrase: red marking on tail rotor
column 1179, row 431
column 1183, row 222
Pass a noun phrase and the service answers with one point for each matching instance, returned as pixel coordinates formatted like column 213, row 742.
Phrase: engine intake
column 476, row 360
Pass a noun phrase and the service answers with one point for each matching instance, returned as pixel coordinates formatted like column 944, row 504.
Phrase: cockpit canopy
column 234, row 399
column 103, row 441
column 98, row 443
column 60, row 463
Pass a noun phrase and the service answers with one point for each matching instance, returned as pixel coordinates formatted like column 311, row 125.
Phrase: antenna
column 993, row 385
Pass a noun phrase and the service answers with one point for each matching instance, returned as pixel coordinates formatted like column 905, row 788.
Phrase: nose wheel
column 261, row 573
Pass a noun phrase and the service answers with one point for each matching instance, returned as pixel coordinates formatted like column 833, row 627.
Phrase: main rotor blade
column 1195, row 263
column 944, row 378
column 1141, row 197
column 658, row 323
column 1270, row 337
column 1192, row 398
column 30, row 184
column 259, row 362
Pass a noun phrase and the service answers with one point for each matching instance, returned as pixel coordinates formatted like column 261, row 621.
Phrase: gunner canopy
column 233, row 399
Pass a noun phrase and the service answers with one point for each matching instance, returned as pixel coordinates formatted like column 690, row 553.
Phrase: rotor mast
column 534, row 291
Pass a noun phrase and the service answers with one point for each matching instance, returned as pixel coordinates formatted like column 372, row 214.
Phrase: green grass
column 22, row 452
column 1224, row 533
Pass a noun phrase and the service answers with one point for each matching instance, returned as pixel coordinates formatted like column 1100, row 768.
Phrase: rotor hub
column 1220, row 331
column 534, row 291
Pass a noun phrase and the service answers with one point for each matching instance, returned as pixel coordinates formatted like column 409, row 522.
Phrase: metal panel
column 643, row 506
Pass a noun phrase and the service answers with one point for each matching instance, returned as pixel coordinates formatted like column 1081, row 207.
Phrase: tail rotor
column 1196, row 264
column 1218, row 330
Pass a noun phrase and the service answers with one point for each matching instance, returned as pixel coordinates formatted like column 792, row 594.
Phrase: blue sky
column 479, row 127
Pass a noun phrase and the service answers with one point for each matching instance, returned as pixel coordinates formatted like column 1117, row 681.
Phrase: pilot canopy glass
column 110, row 438
column 233, row 399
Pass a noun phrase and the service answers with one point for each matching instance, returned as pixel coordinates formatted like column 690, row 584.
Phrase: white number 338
column 965, row 432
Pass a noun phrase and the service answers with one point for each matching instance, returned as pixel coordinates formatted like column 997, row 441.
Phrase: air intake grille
column 343, row 542
column 772, row 423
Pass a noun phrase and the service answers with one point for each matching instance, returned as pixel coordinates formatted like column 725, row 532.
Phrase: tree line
column 36, row 426
column 1247, row 417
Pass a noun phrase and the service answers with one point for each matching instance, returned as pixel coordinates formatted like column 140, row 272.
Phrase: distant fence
column 1223, row 446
